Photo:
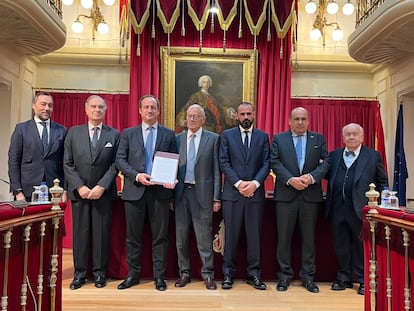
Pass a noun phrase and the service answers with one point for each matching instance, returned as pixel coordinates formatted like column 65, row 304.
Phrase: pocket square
column 108, row 145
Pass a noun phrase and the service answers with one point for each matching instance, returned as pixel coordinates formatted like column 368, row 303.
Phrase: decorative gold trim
column 54, row 262
column 170, row 56
column 139, row 26
column 255, row 28
column 199, row 24
column 282, row 31
column 168, row 26
column 226, row 22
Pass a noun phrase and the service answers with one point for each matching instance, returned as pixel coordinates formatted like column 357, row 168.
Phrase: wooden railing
column 31, row 247
column 391, row 259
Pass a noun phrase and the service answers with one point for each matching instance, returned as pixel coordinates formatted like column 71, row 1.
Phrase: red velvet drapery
column 328, row 116
column 274, row 71
column 69, row 109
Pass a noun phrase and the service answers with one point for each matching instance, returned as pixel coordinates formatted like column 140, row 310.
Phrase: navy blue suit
column 344, row 203
column 294, row 206
column 237, row 165
column 28, row 164
column 140, row 200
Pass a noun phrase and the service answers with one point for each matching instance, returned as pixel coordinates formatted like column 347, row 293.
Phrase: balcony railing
column 365, row 8
column 56, row 6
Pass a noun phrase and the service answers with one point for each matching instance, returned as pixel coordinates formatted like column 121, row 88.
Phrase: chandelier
column 321, row 8
column 98, row 21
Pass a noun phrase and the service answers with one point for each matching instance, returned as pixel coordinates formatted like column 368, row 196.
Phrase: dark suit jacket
column 27, row 161
column 206, row 170
column 130, row 160
column 237, row 165
column 284, row 164
column 82, row 167
column 369, row 169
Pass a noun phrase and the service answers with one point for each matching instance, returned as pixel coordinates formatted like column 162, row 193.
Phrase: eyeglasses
column 194, row 117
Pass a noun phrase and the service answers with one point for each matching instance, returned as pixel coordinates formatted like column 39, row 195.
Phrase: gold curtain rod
column 69, row 90
column 333, row 97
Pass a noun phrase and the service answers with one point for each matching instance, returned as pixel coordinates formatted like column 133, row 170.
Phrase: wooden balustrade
column 389, row 259
column 31, row 248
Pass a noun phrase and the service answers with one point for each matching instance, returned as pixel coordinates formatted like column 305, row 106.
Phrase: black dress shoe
column 341, row 285
column 210, row 284
column 100, row 281
column 282, row 285
column 310, row 286
column 182, row 281
column 361, row 289
column 227, row 283
column 256, row 282
column 160, row 284
column 128, row 282
column 77, row 283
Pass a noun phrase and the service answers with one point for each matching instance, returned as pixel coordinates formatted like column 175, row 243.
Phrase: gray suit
column 195, row 204
column 84, row 165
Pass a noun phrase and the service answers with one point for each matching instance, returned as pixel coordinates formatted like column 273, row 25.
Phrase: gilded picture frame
column 233, row 74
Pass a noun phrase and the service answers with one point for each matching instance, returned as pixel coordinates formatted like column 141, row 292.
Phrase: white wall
column 393, row 83
column 16, row 80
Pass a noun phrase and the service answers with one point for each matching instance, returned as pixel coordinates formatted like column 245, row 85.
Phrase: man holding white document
column 141, row 194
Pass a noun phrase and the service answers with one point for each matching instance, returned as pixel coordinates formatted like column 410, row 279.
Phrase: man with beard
column 244, row 161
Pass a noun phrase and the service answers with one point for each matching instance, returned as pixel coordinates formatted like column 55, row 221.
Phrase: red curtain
column 328, row 116
column 274, row 71
column 69, row 109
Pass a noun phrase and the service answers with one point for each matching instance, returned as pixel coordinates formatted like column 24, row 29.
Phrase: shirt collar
column 242, row 129
column 91, row 126
column 37, row 120
column 356, row 151
column 198, row 133
column 296, row 135
column 145, row 126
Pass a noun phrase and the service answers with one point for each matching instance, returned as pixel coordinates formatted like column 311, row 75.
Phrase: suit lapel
column 203, row 144
column 35, row 133
column 362, row 163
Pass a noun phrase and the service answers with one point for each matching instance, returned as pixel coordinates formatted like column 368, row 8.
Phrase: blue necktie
column 149, row 150
column 299, row 151
column 45, row 137
column 95, row 136
column 189, row 173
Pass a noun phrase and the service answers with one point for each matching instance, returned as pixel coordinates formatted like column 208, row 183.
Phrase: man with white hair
column 353, row 168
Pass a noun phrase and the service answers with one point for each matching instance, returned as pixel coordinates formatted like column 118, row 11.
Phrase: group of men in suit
column 90, row 155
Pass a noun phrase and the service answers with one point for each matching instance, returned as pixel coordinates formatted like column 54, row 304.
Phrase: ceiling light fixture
column 321, row 8
column 98, row 21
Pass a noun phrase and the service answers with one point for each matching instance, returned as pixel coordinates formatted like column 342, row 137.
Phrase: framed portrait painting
column 216, row 80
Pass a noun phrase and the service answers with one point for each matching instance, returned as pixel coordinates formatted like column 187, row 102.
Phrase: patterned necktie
column 149, row 150
column 298, row 148
column 246, row 140
column 189, row 173
column 95, row 136
column 45, row 137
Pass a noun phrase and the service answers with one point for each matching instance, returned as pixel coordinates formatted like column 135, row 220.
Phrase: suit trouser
column 288, row 214
column 187, row 211
column 158, row 216
column 235, row 213
column 91, row 221
column 349, row 248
